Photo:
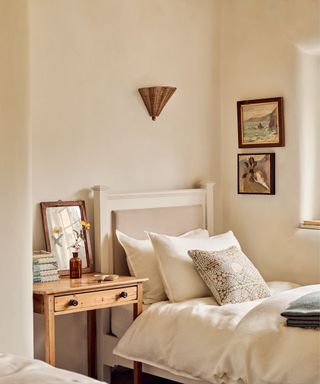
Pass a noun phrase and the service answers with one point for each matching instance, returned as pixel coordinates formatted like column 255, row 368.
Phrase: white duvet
column 19, row 370
column 235, row 343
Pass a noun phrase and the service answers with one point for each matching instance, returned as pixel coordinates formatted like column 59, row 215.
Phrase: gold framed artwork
column 261, row 123
column 66, row 230
column 256, row 173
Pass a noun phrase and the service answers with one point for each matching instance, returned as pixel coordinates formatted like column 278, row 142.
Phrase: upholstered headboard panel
column 171, row 212
column 168, row 220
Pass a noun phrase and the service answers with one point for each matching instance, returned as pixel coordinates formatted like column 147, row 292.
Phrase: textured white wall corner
column 260, row 59
column 16, row 328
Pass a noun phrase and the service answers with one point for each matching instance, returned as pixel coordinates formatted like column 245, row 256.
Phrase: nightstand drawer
column 95, row 299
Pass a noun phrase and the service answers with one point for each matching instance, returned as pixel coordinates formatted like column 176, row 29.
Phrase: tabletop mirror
column 65, row 227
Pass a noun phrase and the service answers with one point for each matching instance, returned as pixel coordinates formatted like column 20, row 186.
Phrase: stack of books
column 311, row 224
column 44, row 266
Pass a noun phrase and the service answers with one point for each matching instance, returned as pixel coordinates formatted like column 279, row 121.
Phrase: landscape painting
column 261, row 123
column 256, row 173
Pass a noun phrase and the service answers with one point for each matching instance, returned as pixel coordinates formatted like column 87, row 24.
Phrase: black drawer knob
column 73, row 302
column 123, row 294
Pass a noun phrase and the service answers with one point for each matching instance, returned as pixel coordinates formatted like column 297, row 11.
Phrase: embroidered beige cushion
column 230, row 275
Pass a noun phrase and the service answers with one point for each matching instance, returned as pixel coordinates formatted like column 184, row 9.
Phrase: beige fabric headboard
column 170, row 212
column 168, row 220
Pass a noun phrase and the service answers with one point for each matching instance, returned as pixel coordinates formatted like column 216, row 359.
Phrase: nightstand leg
column 91, row 336
column 137, row 310
column 50, row 353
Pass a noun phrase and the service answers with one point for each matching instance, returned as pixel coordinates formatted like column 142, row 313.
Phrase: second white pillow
column 142, row 262
column 180, row 279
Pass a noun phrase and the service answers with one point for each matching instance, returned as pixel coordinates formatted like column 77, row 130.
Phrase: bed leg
column 137, row 372
column 107, row 374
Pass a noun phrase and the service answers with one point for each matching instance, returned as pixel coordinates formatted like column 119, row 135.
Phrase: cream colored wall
column 89, row 125
column 15, row 203
column 271, row 48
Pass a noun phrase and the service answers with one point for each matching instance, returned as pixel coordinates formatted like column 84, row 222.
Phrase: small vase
column 75, row 266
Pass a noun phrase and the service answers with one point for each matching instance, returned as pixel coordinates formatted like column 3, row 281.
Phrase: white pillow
column 142, row 262
column 179, row 276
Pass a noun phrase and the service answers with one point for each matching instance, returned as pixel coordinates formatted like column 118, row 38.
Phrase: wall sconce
column 155, row 98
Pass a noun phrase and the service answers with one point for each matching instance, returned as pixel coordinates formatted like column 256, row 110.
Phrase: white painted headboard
column 107, row 205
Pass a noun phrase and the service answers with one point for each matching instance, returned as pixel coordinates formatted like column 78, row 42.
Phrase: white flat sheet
column 231, row 344
column 122, row 316
column 19, row 370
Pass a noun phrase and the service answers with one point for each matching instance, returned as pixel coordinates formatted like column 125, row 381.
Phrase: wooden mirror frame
column 81, row 204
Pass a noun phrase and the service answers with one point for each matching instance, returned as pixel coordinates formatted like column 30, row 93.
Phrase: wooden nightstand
column 86, row 294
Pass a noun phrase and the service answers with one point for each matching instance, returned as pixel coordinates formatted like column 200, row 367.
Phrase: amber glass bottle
column 75, row 266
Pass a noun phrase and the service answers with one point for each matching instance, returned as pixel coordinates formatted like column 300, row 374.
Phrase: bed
column 20, row 370
column 165, row 337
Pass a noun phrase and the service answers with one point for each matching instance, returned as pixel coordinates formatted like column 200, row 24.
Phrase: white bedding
column 235, row 343
column 19, row 370
column 122, row 316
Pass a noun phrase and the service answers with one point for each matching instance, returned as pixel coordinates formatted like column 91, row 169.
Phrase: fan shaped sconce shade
column 155, row 98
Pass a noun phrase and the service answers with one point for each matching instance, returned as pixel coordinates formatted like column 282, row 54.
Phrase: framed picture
column 256, row 173
column 260, row 123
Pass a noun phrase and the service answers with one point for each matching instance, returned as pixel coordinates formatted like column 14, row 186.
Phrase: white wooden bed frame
column 105, row 204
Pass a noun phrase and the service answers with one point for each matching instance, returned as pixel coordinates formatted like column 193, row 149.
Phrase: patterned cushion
column 230, row 275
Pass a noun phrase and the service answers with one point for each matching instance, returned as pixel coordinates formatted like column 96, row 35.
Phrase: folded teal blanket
column 304, row 312
column 304, row 318
column 303, row 324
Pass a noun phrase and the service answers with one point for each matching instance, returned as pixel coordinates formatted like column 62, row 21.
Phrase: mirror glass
column 64, row 233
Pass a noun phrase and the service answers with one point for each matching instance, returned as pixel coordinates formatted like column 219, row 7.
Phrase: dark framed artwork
column 256, row 173
column 260, row 123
